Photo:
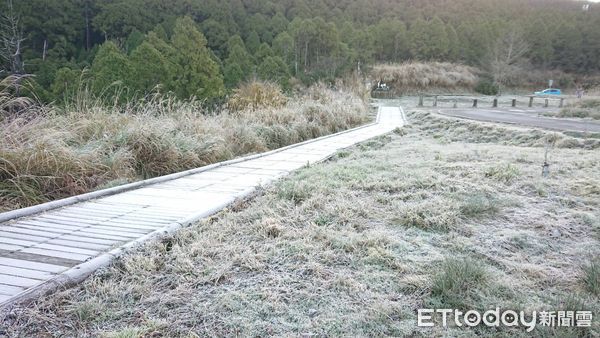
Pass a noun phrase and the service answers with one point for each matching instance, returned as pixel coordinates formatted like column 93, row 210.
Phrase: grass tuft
column 478, row 204
column 257, row 94
column 504, row 172
column 457, row 283
column 591, row 277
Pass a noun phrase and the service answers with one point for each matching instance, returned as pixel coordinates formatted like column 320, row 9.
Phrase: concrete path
column 529, row 117
column 59, row 247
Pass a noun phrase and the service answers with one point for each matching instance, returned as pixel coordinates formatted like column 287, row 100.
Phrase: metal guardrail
column 494, row 102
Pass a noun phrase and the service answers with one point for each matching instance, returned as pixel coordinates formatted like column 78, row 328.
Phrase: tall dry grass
column 410, row 77
column 86, row 145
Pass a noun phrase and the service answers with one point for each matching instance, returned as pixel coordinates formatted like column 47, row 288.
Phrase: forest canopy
column 203, row 48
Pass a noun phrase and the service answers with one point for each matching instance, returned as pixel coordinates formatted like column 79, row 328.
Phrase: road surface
column 522, row 117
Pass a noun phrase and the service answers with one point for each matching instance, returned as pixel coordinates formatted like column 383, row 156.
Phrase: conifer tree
column 149, row 69
column 109, row 70
column 198, row 75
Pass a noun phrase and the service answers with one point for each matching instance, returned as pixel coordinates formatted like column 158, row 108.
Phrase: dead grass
column 256, row 94
column 449, row 129
column 588, row 108
column 86, row 146
column 324, row 252
column 411, row 77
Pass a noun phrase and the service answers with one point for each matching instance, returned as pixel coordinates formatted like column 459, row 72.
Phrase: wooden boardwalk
column 44, row 251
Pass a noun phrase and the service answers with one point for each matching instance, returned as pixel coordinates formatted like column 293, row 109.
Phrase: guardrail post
column 530, row 101
column 562, row 102
column 495, row 103
column 420, row 100
column 514, row 102
column 435, row 101
column 474, row 103
column 546, row 103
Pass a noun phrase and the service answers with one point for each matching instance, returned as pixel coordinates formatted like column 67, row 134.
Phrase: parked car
column 549, row 91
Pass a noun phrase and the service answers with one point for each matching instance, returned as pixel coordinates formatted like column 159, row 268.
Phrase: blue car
column 549, row 91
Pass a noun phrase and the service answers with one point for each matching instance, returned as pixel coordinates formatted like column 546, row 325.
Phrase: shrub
column 487, row 87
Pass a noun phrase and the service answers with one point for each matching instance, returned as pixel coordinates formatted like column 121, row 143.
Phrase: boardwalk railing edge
column 81, row 271
column 32, row 210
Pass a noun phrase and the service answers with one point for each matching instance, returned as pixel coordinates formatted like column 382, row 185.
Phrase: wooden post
column 435, row 101
column 562, row 102
column 420, row 100
column 474, row 103
column 495, row 103
column 514, row 102
column 546, row 103
column 530, row 101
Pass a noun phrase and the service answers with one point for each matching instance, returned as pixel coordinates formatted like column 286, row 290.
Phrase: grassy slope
column 354, row 246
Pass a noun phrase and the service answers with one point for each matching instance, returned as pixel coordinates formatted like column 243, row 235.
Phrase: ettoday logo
column 509, row 318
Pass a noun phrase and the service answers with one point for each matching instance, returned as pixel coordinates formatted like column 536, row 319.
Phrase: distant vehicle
column 549, row 91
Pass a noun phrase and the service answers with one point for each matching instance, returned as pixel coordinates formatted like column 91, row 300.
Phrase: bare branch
column 11, row 39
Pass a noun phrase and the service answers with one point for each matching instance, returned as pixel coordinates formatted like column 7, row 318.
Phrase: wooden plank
column 127, row 215
column 70, row 216
column 17, row 281
column 132, row 219
column 4, row 298
column 47, row 230
column 100, row 232
column 97, row 205
column 62, row 248
column 10, row 247
column 87, row 211
column 144, row 228
column 58, row 254
column 82, row 245
column 6, row 240
column 154, row 208
column 24, row 264
column 9, row 290
column 27, row 232
column 30, row 258
column 92, row 226
column 51, row 227
column 121, row 229
column 58, row 220
column 88, row 240
column 22, row 236
column 231, row 169
column 95, row 236
column 27, row 273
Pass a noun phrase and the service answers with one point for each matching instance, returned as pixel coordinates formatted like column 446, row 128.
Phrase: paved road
column 523, row 117
column 42, row 251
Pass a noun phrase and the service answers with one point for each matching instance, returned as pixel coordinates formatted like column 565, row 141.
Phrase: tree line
column 202, row 48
